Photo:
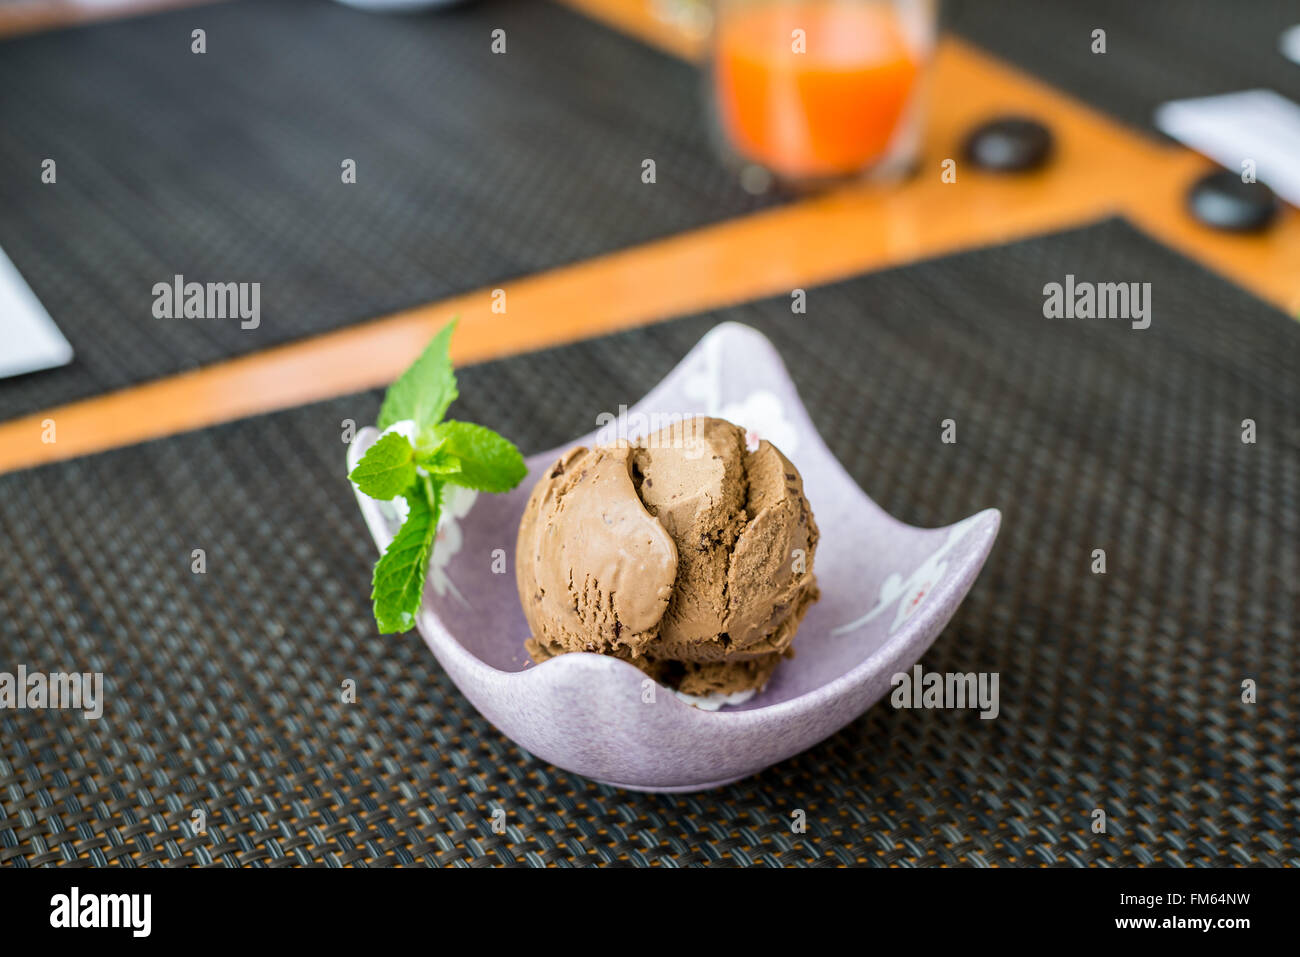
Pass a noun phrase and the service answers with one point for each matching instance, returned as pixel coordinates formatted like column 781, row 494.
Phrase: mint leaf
column 437, row 462
column 426, row 389
column 458, row 452
column 398, row 583
column 387, row 469
column 488, row 462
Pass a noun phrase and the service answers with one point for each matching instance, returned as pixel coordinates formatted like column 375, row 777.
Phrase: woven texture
column 1156, row 50
column 1119, row 691
column 471, row 168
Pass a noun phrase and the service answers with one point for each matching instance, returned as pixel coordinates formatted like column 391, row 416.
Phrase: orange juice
column 828, row 109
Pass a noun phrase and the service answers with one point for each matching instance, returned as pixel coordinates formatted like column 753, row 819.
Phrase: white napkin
column 29, row 339
column 1257, row 126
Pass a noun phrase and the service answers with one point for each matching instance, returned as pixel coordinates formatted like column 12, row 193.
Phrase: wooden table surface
column 1101, row 168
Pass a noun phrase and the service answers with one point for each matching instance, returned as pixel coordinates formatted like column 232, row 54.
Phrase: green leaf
column 457, row 452
column 398, row 583
column 488, row 462
column 387, row 469
column 426, row 389
column 437, row 462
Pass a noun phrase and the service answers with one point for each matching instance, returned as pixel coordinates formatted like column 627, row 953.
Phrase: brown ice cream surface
column 683, row 553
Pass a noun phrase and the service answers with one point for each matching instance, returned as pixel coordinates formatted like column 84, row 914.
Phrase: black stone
column 1009, row 144
column 1220, row 199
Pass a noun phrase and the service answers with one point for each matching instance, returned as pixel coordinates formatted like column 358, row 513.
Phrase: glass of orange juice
column 814, row 91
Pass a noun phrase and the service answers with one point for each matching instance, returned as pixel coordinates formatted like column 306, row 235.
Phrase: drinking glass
column 810, row 91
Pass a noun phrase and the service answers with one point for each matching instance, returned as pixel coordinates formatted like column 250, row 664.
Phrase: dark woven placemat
column 1119, row 691
column 472, row 168
column 1156, row 50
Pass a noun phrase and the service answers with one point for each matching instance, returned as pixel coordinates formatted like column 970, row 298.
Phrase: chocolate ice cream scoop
column 685, row 553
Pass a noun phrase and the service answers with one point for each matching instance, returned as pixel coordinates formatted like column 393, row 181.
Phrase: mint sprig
column 451, row 452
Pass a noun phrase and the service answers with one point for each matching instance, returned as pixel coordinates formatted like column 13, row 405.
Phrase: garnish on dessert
column 418, row 454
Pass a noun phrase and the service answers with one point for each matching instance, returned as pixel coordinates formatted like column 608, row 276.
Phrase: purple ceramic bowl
column 888, row 589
